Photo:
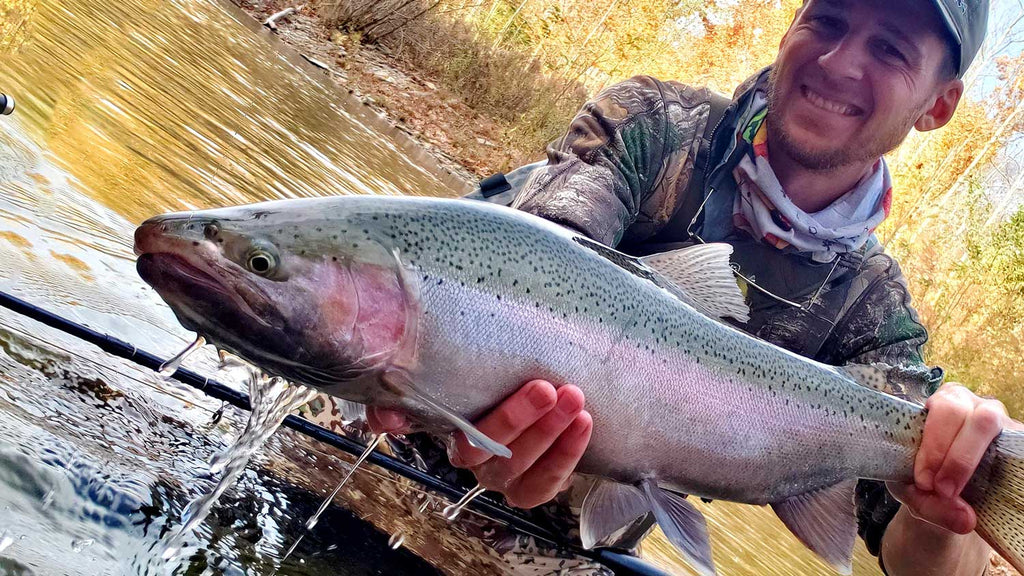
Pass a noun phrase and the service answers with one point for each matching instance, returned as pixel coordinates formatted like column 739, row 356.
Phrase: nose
column 844, row 59
column 159, row 230
column 146, row 233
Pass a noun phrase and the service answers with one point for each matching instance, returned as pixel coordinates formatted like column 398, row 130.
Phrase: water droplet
column 396, row 540
column 79, row 545
column 451, row 512
column 167, row 369
column 170, row 553
column 228, row 360
column 272, row 400
column 5, row 541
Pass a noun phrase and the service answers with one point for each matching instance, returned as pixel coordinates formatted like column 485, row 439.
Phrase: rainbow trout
column 442, row 308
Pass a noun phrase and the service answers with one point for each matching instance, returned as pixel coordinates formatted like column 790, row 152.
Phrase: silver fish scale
column 824, row 428
column 505, row 297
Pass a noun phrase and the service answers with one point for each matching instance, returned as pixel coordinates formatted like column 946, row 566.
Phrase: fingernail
column 926, row 480
column 453, row 454
column 539, row 397
column 568, row 404
column 945, row 487
column 580, row 424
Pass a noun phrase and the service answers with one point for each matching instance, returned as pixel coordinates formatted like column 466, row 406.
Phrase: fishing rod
column 622, row 564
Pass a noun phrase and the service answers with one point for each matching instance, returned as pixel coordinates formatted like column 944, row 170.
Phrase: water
column 128, row 109
column 271, row 399
column 168, row 368
column 452, row 511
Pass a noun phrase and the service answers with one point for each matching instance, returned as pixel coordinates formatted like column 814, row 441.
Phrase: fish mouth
column 180, row 282
column 156, row 268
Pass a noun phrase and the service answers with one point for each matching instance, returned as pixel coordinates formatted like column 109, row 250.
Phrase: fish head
column 285, row 286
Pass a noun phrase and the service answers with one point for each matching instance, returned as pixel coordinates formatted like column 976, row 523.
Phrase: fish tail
column 997, row 494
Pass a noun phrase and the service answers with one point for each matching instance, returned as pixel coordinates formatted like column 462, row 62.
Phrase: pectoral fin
column 825, row 521
column 476, row 438
column 683, row 525
column 609, row 507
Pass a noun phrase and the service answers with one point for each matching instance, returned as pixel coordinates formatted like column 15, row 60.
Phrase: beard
column 858, row 151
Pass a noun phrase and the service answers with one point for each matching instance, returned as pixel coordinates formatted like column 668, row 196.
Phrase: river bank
column 465, row 142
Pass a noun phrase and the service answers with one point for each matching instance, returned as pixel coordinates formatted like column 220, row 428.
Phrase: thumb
column 953, row 514
column 381, row 420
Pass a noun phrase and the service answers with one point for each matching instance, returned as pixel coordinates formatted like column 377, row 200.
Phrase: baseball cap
column 966, row 21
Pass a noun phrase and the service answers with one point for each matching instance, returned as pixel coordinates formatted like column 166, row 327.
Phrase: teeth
column 830, row 105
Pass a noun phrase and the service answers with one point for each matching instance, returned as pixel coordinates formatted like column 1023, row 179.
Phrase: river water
column 131, row 108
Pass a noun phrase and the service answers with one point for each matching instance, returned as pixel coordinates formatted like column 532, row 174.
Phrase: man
column 795, row 181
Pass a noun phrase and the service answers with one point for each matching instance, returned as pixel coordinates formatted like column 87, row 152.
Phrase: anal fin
column 609, row 507
column 683, row 525
column 825, row 520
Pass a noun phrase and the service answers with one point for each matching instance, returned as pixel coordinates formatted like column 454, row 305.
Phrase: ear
column 942, row 108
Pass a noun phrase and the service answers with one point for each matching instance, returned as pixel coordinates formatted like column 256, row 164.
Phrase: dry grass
column 505, row 85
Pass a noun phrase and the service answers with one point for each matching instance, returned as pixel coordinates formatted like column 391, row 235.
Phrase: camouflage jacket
column 622, row 175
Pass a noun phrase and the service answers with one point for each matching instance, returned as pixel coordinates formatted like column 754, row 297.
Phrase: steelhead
column 442, row 308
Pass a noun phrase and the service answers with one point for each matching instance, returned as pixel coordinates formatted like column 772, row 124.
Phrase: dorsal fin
column 703, row 278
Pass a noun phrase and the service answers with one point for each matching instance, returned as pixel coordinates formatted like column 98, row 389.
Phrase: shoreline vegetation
column 477, row 109
column 484, row 85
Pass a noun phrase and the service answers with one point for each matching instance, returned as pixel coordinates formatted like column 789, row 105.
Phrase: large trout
column 442, row 308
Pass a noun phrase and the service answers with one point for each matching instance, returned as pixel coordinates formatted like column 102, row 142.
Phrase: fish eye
column 210, row 231
column 260, row 262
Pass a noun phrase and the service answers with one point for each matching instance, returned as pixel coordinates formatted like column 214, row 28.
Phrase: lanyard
column 691, row 231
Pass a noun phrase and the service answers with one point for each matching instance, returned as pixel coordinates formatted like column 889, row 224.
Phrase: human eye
column 891, row 52
column 827, row 24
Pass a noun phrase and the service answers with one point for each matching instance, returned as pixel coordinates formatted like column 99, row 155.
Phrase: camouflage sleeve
column 879, row 325
column 623, row 163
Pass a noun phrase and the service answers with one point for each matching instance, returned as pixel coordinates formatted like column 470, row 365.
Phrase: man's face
column 852, row 78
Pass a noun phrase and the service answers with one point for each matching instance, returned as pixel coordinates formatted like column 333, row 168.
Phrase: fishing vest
column 816, row 294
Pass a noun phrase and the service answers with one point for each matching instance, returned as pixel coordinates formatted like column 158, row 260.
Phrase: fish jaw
column 317, row 319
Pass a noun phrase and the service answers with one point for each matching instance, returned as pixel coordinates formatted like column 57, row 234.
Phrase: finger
column 497, row 473
column 953, row 514
column 543, row 480
column 381, row 420
column 506, row 422
column 982, row 426
column 948, row 409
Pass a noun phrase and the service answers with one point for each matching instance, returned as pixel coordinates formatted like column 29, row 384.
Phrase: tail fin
column 997, row 494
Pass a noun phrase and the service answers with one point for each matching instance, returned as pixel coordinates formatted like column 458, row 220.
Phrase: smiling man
column 790, row 172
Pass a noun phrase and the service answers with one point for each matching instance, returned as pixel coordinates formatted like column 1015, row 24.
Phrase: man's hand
column 957, row 431
column 547, row 430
